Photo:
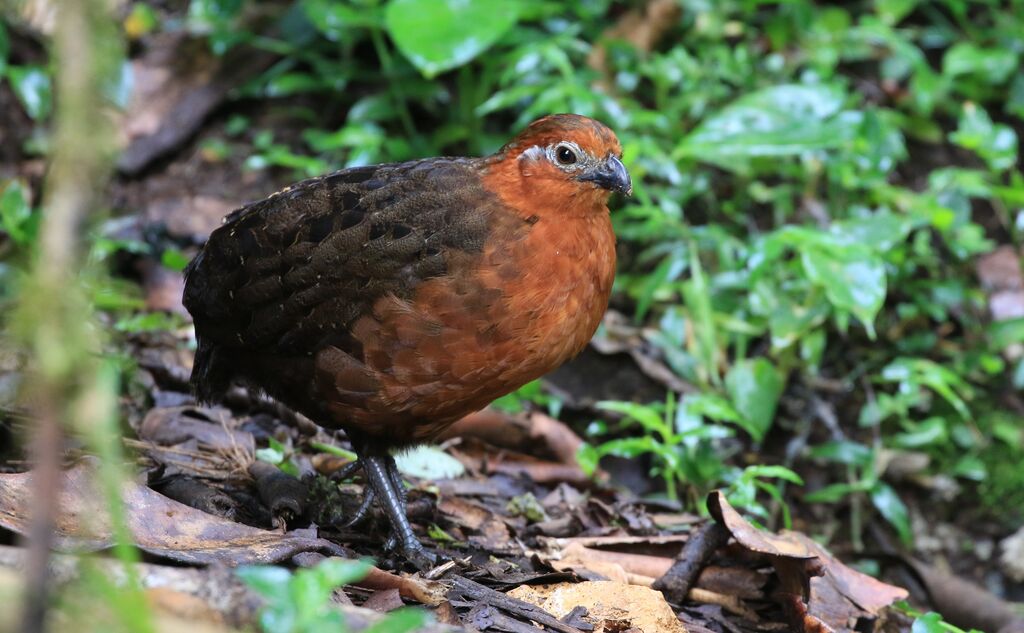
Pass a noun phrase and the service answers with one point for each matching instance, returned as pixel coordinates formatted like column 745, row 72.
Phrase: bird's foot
column 385, row 487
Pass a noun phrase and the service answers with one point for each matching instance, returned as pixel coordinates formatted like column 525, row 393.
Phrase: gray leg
column 379, row 474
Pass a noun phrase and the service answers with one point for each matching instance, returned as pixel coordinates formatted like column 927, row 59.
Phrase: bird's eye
column 565, row 155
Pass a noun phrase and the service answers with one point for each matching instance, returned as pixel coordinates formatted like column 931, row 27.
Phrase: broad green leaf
column 778, row 121
column 32, row 85
column 853, row 280
column 754, row 385
column 991, row 65
column 881, row 231
column 438, row 35
column 708, row 405
column 429, row 462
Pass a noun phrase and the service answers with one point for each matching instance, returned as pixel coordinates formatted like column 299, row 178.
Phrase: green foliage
column 299, row 602
column 686, row 451
column 929, row 622
column 279, row 455
column 438, row 35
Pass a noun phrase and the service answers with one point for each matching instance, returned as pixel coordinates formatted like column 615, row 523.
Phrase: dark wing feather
column 289, row 275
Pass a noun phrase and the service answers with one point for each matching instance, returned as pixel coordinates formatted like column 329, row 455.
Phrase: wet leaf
column 853, row 279
column 777, row 121
column 438, row 35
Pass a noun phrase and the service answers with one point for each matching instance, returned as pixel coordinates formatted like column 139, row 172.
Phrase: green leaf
column 438, row 35
column 772, row 472
column 995, row 143
column 588, row 458
column 400, row 621
column 174, row 259
column 141, row 20
column 429, row 462
column 5, row 47
column 833, row 493
column 648, row 417
column 853, row 279
column 991, row 65
column 781, row 120
column 754, row 385
column 843, row 452
column 270, row 455
column 268, row 581
column 889, row 504
column 16, row 218
column 32, row 86
column 930, row 622
column 335, row 572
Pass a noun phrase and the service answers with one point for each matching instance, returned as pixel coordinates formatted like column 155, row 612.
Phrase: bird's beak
column 610, row 175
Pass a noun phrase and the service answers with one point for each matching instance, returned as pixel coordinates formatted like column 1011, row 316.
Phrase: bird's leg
column 381, row 473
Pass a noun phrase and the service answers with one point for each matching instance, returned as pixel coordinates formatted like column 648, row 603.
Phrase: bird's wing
column 291, row 274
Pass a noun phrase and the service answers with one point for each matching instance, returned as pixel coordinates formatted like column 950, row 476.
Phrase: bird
column 391, row 300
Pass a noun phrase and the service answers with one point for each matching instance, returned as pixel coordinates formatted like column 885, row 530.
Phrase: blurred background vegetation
column 822, row 246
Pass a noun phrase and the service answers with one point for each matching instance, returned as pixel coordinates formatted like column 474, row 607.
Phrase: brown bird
column 391, row 300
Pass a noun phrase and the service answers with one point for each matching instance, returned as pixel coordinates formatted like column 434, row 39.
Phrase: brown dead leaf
column 535, row 434
column 174, row 425
column 491, row 532
column 611, row 606
column 817, row 592
column 158, row 525
column 384, row 600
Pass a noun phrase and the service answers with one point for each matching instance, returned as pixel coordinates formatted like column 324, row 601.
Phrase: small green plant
column 863, row 480
column 683, row 451
column 929, row 622
column 279, row 455
column 300, row 601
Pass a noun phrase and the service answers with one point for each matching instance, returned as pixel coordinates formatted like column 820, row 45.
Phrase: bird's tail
column 210, row 379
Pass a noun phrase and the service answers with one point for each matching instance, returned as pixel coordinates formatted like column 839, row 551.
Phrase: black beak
column 610, row 175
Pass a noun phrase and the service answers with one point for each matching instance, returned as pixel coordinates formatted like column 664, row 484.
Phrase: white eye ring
column 565, row 155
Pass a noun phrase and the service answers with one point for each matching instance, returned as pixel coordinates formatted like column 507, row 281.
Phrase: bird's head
column 564, row 159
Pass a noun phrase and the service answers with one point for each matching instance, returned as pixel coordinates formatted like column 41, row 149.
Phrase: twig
column 703, row 542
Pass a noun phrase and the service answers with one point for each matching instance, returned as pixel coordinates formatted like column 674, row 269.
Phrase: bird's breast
column 528, row 302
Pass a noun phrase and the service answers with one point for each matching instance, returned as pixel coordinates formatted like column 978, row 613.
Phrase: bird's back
column 284, row 277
